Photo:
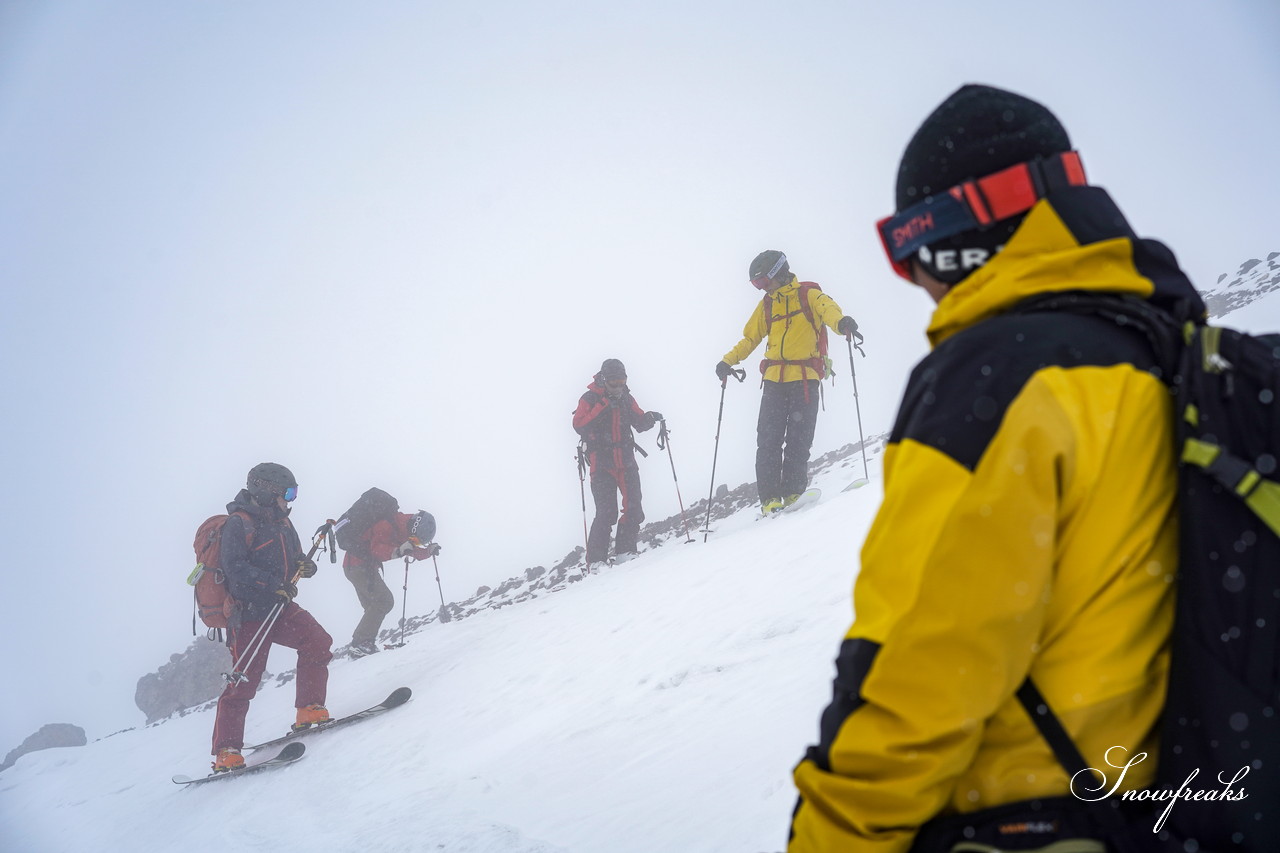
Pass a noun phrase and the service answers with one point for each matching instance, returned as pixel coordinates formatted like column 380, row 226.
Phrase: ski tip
column 182, row 780
column 291, row 751
column 856, row 484
column 398, row 697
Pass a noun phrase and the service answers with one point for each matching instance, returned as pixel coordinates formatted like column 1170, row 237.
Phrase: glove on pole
column 664, row 440
column 259, row 640
column 724, row 383
column 862, row 442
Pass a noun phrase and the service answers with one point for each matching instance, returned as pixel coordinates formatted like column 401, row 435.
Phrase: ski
column 809, row 498
column 397, row 698
column 291, row 753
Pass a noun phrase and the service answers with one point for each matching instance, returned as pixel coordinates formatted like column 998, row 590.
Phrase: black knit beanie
column 612, row 369
column 975, row 132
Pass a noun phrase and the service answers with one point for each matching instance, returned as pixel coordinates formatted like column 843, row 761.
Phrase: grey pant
column 375, row 597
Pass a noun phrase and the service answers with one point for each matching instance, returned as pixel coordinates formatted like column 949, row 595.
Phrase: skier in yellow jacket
column 793, row 316
column 1022, row 561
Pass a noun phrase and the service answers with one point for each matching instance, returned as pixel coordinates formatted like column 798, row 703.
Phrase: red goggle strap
column 979, row 203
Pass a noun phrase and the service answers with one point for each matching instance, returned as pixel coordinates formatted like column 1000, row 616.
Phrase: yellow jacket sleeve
column 752, row 334
column 825, row 310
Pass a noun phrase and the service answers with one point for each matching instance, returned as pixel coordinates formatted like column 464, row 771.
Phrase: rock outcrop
column 188, row 679
column 50, row 736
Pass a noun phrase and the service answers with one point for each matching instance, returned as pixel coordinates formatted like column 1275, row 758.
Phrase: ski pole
column 444, row 614
column 255, row 644
column 664, row 441
column 724, row 383
column 582, row 489
column 404, row 599
column 259, row 639
column 862, row 442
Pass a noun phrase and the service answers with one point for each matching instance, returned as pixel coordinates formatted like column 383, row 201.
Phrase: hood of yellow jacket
column 1073, row 240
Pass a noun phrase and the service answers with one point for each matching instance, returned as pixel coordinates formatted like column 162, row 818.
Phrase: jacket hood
column 1075, row 239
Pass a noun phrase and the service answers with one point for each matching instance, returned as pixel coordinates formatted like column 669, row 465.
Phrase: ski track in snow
column 658, row 705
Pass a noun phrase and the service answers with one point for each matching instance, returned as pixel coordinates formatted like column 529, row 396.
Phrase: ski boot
column 228, row 759
column 311, row 716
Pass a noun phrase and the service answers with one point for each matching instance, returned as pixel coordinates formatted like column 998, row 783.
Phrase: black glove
column 288, row 592
column 657, row 416
column 723, row 370
column 307, row 568
column 847, row 326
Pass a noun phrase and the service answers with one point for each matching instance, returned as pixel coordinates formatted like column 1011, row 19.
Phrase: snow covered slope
column 659, row 705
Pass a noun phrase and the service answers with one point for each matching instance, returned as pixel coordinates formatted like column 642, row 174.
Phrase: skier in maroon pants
column 261, row 557
column 604, row 418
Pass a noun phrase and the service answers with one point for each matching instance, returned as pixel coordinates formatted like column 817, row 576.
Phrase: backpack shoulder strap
column 247, row 520
column 805, row 305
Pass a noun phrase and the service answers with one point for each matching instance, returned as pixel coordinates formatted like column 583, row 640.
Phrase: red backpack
column 213, row 602
column 820, row 364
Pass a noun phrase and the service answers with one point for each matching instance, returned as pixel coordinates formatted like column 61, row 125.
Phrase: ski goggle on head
column 290, row 494
column 975, row 204
column 764, row 280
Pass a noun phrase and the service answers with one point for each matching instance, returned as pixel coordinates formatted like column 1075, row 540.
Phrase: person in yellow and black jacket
column 1015, row 601
column 793, row 316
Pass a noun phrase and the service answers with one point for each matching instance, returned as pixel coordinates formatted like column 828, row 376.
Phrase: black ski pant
column 605, row 486
column 375, row 597
column 784, row 436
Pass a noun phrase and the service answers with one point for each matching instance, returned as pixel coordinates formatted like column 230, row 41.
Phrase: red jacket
column 382, row 541
column 606, row 426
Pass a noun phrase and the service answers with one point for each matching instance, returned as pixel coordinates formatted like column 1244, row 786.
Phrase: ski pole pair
column 404, row 599
column 327, row 532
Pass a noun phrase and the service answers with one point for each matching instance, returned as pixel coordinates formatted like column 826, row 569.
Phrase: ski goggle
column 290, row 494
column 765, row 280
column 975, row 204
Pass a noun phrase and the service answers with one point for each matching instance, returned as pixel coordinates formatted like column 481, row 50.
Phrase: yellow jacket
column 792, row 337
column 1028, row 528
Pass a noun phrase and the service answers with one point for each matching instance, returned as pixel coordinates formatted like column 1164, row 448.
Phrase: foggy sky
column 389, row 244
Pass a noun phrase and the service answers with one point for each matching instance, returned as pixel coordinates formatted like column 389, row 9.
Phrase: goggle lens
column 901, row 267
column 291, row 494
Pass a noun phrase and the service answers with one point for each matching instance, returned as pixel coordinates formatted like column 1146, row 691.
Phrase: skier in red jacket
column 400, row 535
column 605, row 416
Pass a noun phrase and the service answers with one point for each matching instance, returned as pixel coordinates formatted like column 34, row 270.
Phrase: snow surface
column 656, row 706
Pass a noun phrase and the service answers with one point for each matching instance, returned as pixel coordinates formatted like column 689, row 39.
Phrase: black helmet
column 422, row 527
column 270, row 480
column 612, row 368
column 770, row 264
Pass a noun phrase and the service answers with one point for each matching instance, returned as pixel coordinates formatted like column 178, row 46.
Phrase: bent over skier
column 605, row 416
